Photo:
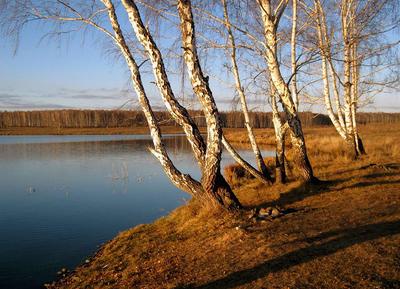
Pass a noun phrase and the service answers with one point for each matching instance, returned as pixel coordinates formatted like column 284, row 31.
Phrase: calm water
column 63, row 196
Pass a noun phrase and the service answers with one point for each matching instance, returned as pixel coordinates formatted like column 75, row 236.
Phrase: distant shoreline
column 83, row 131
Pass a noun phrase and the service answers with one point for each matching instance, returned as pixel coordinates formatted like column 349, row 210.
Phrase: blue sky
column 50, row 74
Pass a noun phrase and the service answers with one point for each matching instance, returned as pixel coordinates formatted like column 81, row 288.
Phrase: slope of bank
column 342, row 234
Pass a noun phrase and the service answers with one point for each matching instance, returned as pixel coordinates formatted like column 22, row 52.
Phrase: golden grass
column 236, row 175
column 344, row 233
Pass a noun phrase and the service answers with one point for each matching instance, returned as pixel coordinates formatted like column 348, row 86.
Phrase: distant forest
column 130, row 118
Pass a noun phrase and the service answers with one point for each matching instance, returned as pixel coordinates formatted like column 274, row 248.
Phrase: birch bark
column 239, row 88
column 270, row 23
column 243, row 163
column 350, row 75
column 212, row 180
column 178, row 112
column 354, row 94
column 325, row 52
column 345, row 15
column 182, row 181
column 293, row 55
column 280, row 132
column 345, row 121
column 214, row 186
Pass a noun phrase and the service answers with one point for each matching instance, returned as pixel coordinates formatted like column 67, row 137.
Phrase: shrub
column 236, row 175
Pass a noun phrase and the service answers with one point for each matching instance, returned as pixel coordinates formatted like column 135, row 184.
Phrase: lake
column 61, row 197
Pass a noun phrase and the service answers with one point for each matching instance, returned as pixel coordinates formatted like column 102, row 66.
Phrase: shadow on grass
column 299, row 193
column 368, row 176
column 368, row 184
column 371, row 165
column 304, row 191
column 322, row 245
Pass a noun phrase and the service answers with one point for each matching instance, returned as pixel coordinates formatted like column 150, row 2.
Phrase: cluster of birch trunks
column 337, row 53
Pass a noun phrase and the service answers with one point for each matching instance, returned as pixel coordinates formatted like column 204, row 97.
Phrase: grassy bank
column 342, row 234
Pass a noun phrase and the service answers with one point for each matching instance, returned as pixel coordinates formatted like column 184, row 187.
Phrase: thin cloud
column 64, row 98
column 9, row 96
column 93, row 96
column 24, row 105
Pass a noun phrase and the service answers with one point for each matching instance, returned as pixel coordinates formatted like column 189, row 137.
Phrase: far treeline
column 134, row 118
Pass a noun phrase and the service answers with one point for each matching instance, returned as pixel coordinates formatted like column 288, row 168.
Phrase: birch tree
column 253, row 40
column 293, row 55
column 240, row 90
column 342, row 57
column 270, row 17
column 280, row 128
column 212, row 187
column 262, row 174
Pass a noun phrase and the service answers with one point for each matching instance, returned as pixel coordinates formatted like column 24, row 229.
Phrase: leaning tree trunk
column 212, row 181
column 270, row 23
column 182, row 181
column 243, row 163
column 177, row 111
column 239, row 88
column 213, row 184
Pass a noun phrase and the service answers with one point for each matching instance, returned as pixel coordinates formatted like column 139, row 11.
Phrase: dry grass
column 344, row 233
column 236, row 175
column 325, row 145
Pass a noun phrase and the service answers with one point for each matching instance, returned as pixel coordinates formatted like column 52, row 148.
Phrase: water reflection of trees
column 47, row 151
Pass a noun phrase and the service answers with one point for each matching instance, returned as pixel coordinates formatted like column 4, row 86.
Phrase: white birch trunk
column 347, row 66
column 325, row 52
column 182, row 181
column 345, row 121
column 280, row 132
column 211, row 177
column 336, row 93
column 178, row 112
column 213, row 184
column 243, row 163
column 239, row 88
column 293, row 55
column 297, row 137
column 354, row 97
column 346, row 19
